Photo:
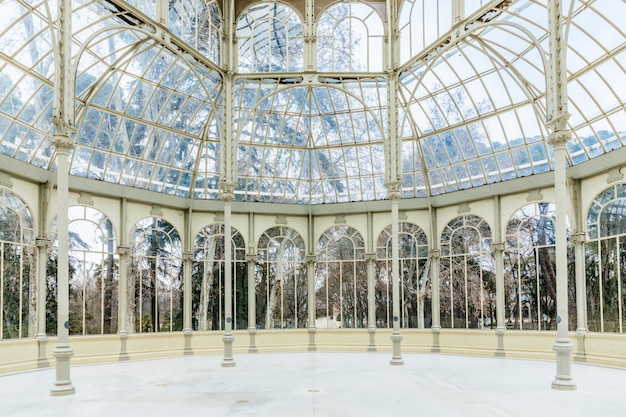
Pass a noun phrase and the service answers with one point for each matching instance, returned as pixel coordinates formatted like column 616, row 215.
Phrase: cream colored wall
column 600, row 348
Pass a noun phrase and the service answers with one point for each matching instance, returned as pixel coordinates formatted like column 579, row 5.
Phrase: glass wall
column 341, row 279
column 281, row 280
column 467, row 275
column 606, row 261
column 415, row 303
column 18, row 280
column 208, row 280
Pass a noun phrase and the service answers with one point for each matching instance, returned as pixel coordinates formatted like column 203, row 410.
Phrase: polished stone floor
column 319, row 384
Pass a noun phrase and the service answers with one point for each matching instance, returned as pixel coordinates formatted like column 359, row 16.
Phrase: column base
column 563, row 380
column 396, row 339
column 62, row 388
column 123, row 352
column 312, row 347
column 500, row 349
column 228, row 361
column 42, row 360
column 581, row 353
column 62, row 385
column 436, row 348
column 188, row 350
column 252, row 333
column 372, row 332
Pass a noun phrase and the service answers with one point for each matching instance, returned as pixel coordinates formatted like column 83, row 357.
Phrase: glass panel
column 347, row 35
column 155, row 277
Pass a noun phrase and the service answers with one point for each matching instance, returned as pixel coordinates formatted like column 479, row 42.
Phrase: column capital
column 434, row 253
column 43, row 243
column 370, row 256
column 188, row 256
column 227, row 191
column 311, row 259
column 559, row 137
column 251, row 258
column 578, row 238
column 62, row 142
column 123, row 250
column 394, row 188
column 497, row 246
column 63, row 130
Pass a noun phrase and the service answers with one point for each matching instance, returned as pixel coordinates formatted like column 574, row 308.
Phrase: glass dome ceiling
column 310, row 120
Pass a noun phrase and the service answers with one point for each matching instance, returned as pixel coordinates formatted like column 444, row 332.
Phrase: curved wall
column 593, row 348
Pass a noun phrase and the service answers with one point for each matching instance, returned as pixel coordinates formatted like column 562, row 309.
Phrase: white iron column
column 43, row 245
column 62, row 353
column 563, row 346
column 311, row 258
column 122, row 300
column 251, row 258
column 228, row 178
column 581, row 297
column 396, row 335
column 228, row 339
column 310, row 262
column 310, row 50
column 63, row 119
column 393, row 170
column 434, row 256
column 188, row 256
column 556, row 89
column 187, row 313
column 370, row 258
column 498, row 248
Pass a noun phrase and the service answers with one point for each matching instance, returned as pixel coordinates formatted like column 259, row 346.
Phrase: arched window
column 350, row 38
column 415, row 307
column 207, row 280
column 421, row 22
column 93, row 272
column 155, row 281
column 467, row 278
column 199, row 23
column 341, row 279
column 281, row 280
column 606, row 261
column 530, row 268
column 269, row 37
column 18, row 272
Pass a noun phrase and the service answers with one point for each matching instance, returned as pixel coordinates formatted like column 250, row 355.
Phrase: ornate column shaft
column 187, row 313
column 251, row 258
column 187, row 269
column 556, row 89
column 228, row 338
column 581, row 296
column 43, row 246
column 498, row 248
column 562, row 346
column 310, row 38
column 370, row 258
column 62, row 353
column 310, row 263
column 122, row 292
column 396, row 335
column 63, row 119
column 122, row 300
